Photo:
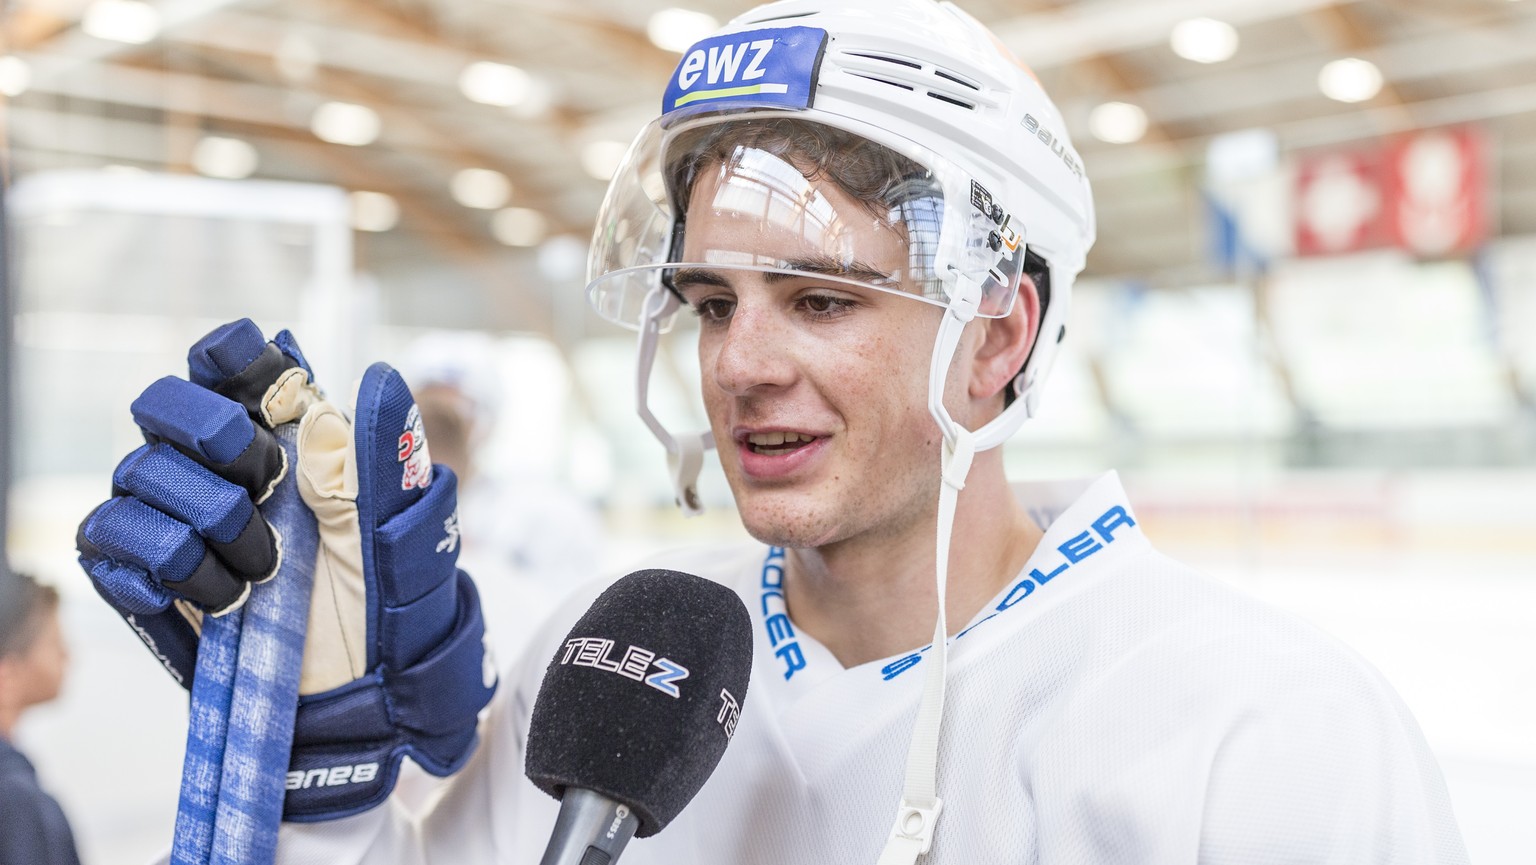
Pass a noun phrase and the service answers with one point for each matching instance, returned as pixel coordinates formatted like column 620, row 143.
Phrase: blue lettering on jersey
column 770, row 68
column 1076, row 548
column 781, row 631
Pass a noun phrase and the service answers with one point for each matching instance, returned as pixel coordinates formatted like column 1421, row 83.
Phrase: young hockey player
column 876, row 216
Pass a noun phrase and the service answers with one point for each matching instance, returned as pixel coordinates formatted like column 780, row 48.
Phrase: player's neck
column 871, row 598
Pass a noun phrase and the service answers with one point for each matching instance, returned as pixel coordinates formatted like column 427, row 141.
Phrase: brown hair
column 24, row 603
column 869, row 172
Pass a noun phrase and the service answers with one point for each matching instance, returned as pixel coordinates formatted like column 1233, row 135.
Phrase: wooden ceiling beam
column 465, row 249
column 30, row 26
column 235, row 100
column 395, row 116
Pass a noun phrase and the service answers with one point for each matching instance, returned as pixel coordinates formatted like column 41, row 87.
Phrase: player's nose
column 754, row 352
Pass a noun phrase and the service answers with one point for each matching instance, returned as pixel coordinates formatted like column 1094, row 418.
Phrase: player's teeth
column 783, row 440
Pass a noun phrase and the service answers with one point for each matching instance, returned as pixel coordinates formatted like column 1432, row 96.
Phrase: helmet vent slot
column 948, row 76
column 913, row 76
column 778, row 17
column 881, row 80
column 944, row 97
column 886, row 58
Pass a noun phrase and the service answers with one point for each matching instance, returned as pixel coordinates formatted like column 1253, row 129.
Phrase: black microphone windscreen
column 640, row 701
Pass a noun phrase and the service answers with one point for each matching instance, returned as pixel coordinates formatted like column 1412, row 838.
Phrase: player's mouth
column 777, row 454
column 774, row 444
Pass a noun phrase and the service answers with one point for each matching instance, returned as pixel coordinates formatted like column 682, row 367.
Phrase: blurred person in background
column 33, row 660
column 526, row 539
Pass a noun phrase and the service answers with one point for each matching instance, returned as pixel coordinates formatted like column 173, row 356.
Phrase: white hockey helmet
column 986, row 187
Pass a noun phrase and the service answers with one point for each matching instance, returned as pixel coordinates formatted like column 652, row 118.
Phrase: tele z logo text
column 635, row 663
column 729, row 714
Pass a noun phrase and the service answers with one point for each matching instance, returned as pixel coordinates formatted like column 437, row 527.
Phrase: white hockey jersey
column 1108, row 706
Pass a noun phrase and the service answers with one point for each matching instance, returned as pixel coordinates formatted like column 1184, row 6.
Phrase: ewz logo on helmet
column 722, row 62
column 1075, row 549
column 766, row 67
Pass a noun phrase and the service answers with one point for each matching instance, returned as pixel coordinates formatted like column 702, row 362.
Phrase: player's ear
column 1005, row 344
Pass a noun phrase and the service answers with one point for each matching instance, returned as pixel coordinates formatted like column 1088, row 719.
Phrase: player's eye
column 823, row 307
column 714, row 310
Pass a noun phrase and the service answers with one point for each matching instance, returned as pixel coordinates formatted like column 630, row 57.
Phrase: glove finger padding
column 183, row 530
column 396, row 636
column 213, row 431
column 181, row 537
column 221, row 512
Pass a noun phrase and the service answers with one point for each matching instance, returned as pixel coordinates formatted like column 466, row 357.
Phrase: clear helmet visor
column 779, row 193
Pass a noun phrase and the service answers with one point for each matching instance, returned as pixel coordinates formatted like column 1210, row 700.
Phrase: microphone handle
column 591, row 829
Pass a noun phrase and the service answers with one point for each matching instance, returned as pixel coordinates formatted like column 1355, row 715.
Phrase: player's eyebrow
column 685, row 277
column 858, row 271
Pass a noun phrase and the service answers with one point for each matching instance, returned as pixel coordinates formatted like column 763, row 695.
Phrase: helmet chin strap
column 685, row 453
column 917, row 817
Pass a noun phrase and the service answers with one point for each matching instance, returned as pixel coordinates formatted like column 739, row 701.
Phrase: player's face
column 40, row 669
column 816, row 390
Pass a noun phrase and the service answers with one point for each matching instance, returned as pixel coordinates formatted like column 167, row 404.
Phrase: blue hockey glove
column 394, row 659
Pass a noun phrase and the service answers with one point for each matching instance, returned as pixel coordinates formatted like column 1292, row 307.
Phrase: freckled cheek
column 867, row 377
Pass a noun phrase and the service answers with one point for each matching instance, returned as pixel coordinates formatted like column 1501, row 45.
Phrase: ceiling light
column 1350, row 80
column 481, row 188
column 297, row 58
column 1118, row 123
column 519, row 226
column 15, row 76
column 1204, row 40
column 128, row 21
column 373, row 211
column 494, row 83
column 346, row 123
column 676, row 29
column 229, row 158
column 600, row 159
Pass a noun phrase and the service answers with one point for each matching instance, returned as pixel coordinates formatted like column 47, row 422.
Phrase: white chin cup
column 685, row 453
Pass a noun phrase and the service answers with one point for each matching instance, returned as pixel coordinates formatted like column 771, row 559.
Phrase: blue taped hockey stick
column 244, row 697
